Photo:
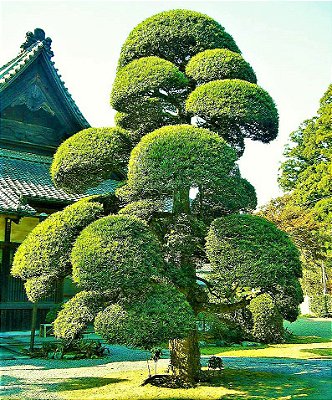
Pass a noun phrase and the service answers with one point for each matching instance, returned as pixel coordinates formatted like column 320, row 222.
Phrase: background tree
column 143, row 259
column 305, row 212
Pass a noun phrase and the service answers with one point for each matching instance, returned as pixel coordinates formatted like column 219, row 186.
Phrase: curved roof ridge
column 36, row 44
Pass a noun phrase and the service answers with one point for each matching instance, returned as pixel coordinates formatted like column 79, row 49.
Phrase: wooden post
column 33, row 325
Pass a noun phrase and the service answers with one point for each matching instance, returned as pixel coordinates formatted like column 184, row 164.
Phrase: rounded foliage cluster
column 40, row 287
column 89, row 157
column 76, row 314
column 116, row 253
column 163, row 314
column 267, row 321
column 144, row 78
column 176, row 157
column 241, row 108
column 250, row 250
column 175, row 36
column 143, row 209
column 233, row 194
column 46, row 250
column 217, row 64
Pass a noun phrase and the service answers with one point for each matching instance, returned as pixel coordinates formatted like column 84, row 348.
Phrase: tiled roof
column 25, row 176
column 36, row 45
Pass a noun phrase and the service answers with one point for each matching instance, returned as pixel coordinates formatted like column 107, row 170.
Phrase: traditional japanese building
column 37, row 113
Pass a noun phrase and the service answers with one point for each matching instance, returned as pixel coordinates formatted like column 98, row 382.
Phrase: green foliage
column 219, row 330
column 232, row 195
column 76, row 314
column 143, row 209
column 149, row 115
column 53, row 313
column 268, row 322
column 216, row 64
column 146, row 78
column 183, row 242
column 248, row 252
column 176, row 158
column 321, row 305
column 116, row 253
column 163, row 314
column 235, row 109
column 307, row 173
column 175, row 36
column 163, row 60
column 40, row 287
column 89, row 157
column 308, row 167
column 45, row 253
column 74, row 350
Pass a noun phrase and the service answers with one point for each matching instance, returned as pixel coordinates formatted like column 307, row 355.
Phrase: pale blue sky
column 289, row 45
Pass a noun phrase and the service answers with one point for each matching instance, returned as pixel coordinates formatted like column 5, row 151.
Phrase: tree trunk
column 181, row 202
column 33, row 325
column 185, row 358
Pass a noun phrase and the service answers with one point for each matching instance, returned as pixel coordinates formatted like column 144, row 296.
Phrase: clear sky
column 289, row 45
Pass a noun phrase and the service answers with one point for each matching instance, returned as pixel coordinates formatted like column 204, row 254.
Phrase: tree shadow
column 82, row 383
column 268, row 385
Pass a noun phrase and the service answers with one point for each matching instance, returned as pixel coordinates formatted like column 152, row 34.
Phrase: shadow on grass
column 306, row 340
column 321, row 353
column 83, row 383
column 267, row 385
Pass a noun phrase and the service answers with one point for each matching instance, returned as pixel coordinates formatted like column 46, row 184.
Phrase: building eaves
column 36, row 45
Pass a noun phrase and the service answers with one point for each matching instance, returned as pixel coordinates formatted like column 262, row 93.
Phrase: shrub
column 221, row 331
column 321, row 305
column 268, row 322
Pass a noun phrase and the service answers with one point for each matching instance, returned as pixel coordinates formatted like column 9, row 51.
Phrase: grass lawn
column 312, row 327
column 312, row 339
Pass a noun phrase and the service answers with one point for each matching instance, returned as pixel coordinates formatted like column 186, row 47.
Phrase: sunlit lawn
column 312, row 339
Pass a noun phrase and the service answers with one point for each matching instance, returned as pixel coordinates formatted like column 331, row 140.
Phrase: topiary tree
column 144, row 259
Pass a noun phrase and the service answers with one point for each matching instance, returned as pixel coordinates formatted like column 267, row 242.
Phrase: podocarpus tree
column 179, row 73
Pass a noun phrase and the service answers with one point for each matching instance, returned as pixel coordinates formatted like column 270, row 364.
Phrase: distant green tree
column 143, row 260
column 305, row 212
column 307, row 171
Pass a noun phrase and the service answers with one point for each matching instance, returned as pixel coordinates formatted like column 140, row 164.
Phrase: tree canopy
column 305, row 212
column 307, row 170
column 175, row 36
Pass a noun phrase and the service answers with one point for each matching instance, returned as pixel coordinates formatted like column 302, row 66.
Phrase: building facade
column 37, row 113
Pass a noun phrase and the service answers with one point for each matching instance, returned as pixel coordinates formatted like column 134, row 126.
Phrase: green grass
column 211, row 350
column 311, row 327
column 230, row 385
column 305, row 343
column 323, row 353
